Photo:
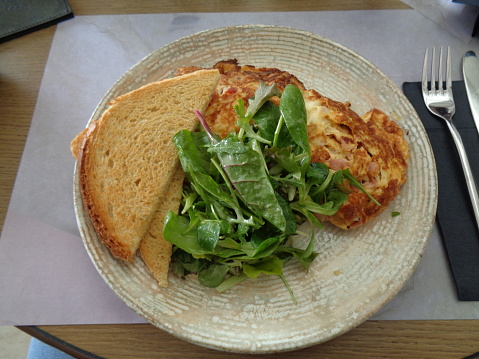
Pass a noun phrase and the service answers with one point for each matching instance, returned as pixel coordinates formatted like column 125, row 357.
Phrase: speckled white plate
column 356, row 272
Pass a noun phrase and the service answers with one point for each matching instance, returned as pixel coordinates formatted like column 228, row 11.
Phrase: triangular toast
column 127, row 158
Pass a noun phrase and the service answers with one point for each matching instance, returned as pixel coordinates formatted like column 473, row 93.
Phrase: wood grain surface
column 373, row 339
column 22, row 62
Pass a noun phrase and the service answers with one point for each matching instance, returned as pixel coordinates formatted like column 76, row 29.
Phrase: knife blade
column 470, row 69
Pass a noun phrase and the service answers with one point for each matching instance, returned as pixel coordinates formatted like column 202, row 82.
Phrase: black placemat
column 20, row 17
column 455, row 215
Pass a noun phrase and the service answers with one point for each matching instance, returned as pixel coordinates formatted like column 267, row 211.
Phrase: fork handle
column 471, row 184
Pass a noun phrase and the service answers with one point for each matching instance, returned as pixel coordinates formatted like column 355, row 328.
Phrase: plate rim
column 81, row 218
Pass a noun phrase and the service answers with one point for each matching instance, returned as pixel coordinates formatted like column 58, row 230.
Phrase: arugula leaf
column 270, row 265
column 246, row 172
column 192, row 153
column 317, row 173
column 209, row 234
column 304, row 256
column 263, row 93
column 185, row 262
column 347, row 173
column 209, row 185
column 246, row 194
column 266, row 120
column 213, row 275
column 286, row 159
column 231, row 282
column 293, row 110
column 288, row 215
column 230, row 145
column 175, row 231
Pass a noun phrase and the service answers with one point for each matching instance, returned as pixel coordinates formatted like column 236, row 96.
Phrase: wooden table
column 22, row 63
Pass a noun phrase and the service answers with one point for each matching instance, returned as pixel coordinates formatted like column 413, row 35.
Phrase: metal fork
column 440, row 102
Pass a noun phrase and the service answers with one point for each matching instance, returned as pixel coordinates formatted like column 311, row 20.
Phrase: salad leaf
column 188, row 263
column 266, row 121
column 246, row 194
column 347, row 173
column 191, row 149
column 209, row 186
column 262, row 94
column 175, row 232
column 293, row 110
column 317, row 173
column 231, row 282
column 213, row 275
column 209, row 234
column 245, row 169
column 270, row 265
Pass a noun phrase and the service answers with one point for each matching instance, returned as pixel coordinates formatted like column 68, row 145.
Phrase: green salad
column 245, row 195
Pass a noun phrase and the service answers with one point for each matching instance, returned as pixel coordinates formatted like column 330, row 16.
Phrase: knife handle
column 471, row 184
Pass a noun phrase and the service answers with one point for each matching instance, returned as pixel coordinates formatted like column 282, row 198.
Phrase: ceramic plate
column 356, row 272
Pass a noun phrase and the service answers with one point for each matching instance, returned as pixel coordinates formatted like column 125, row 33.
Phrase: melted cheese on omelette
column 238, row 82
column 372, row 146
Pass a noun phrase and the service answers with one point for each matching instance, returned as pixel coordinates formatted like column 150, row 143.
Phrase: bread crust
column 127, row 157
column 118, row 248
column 154, row 248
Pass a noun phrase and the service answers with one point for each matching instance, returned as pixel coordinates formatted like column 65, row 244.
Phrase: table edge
column 57, row 343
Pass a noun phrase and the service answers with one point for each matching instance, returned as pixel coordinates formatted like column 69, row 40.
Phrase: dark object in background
column 20, row 17
column 454, row 215
column 476, row 25
column 471, row 3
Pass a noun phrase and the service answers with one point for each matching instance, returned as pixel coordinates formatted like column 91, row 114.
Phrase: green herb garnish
column 246, row 194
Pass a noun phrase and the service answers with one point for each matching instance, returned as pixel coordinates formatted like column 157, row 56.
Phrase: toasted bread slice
column 154, row 248
column 75, row 145
column 127, row 158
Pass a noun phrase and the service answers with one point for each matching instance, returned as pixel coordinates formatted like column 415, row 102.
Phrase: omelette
column 372, row 146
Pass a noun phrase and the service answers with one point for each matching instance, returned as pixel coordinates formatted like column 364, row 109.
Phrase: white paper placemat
column 46, row 276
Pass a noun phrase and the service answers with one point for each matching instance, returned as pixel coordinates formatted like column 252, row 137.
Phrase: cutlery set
column 439, row 100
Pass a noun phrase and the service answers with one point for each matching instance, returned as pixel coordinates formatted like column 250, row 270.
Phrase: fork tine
column 448, row 70
column 424, row 73
column 440, row 83
column 433, row 67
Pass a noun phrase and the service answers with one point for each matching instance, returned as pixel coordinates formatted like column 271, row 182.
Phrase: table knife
column 470, row 69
